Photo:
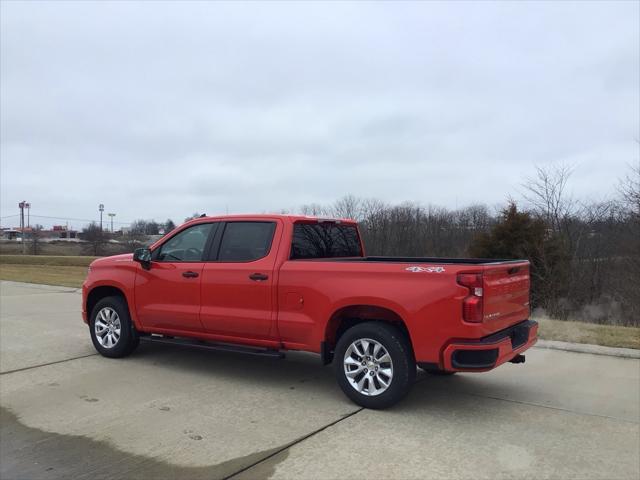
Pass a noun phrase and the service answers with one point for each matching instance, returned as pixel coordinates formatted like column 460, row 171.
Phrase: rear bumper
column 492, row 351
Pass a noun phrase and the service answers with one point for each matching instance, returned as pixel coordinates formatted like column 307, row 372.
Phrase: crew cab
column 264, row 284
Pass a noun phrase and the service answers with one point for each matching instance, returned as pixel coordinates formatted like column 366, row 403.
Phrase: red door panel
column 233, row 304
column 166, row 299
column 237, row 296
column 167, row 295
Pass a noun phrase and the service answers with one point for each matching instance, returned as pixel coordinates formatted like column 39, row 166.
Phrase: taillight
column 472, row 303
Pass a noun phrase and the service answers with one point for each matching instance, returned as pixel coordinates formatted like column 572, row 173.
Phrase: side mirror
column 142, row 255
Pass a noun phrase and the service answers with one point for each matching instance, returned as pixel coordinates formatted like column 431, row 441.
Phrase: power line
column 89, row 220
column 75, row 219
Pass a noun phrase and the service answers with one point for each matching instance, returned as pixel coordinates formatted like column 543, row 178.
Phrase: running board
column 221, row 347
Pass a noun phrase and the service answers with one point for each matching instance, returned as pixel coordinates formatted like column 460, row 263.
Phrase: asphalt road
column 167, row 412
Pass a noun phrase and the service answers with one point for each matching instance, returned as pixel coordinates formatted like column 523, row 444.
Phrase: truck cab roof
column 292, row 218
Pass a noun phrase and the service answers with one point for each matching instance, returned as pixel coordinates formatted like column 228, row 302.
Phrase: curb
column 588, row 348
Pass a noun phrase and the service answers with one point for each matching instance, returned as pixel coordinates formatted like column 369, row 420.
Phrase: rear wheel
column 112, row 333
column 374, row 365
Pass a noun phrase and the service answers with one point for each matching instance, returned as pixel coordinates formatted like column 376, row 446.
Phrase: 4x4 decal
column 416, row 269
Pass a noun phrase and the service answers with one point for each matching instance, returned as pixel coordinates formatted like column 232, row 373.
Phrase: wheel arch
column 102, row 291
column 348, row 316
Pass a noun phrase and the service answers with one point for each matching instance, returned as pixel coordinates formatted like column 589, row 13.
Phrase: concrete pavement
column 167, row 412
column 39, row 325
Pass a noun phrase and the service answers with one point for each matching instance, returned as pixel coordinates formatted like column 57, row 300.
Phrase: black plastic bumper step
column 221, row 347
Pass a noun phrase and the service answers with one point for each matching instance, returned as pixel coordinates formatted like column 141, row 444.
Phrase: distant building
column 10, row 233
column 60, row 231
column 55, row 233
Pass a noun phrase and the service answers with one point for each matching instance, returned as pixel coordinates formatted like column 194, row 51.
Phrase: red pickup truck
column 262, row 284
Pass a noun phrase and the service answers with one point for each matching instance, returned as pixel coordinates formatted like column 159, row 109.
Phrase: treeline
column 585, row 256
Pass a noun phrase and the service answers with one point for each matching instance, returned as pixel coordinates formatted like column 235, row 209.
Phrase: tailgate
column 506, row 294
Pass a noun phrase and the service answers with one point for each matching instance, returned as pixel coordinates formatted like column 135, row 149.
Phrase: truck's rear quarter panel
column 429, row 301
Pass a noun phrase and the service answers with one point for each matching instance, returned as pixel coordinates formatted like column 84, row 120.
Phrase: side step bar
column 221, row 347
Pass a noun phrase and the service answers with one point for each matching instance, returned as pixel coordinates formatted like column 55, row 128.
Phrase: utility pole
column 101, row 209
column 21, row 206
column 28, row 207
column 111, row 215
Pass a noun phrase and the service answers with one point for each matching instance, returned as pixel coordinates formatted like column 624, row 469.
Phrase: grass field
column 46, row 248
column 70, row 271
column 58, row 248
column 581, row 332
column 46, row 274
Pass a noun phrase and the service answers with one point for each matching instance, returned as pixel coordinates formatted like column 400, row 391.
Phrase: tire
column 380, row 341
column 111, row 313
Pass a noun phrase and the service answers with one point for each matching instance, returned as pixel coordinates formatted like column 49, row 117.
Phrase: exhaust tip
column 518, row 359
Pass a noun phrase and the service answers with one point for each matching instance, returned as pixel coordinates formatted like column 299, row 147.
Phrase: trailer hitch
column 518, row 359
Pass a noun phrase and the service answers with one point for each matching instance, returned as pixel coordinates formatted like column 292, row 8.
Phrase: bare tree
column 36, row 239
column 145, row 227
column 627, row 277
column 313, row 209
column 132, row 240
column 348, row 206
column 630, row 189
column 546, row 193
column 169, row 225
column 93, row 234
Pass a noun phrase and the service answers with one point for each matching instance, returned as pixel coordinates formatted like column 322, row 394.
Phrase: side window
column 187, row 246
column 246, row 241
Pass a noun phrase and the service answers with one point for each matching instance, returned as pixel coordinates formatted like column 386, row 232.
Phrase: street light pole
column 101, row 208
column 28, row 207
column 111, row 215
column 21, row 206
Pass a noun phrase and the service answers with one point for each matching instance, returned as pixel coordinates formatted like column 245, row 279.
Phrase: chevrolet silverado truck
column 264, row 284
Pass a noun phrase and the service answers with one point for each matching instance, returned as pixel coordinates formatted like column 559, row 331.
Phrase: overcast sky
column 160, row 109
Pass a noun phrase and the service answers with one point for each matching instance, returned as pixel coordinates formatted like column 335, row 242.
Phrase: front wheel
column 374, row 364
column 112, row 333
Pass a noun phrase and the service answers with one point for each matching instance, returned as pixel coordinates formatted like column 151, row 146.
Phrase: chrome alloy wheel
column 107, row 327
column 368, row 367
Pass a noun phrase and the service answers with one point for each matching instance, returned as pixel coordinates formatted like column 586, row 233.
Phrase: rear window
column 325, row 240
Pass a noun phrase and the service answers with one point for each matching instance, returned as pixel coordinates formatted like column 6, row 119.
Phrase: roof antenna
column 203, row 215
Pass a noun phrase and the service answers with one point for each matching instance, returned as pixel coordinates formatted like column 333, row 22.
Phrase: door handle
column 258, row 277
column 189, row 274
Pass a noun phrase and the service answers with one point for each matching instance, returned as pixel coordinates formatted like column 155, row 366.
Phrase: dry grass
column 46, row 274
column 65, row 261
column 61, row 247
column 580, row 332
column 46, row 248
column 68, row 271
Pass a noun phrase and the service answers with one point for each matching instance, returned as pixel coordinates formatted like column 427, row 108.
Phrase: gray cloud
column 158, row 109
